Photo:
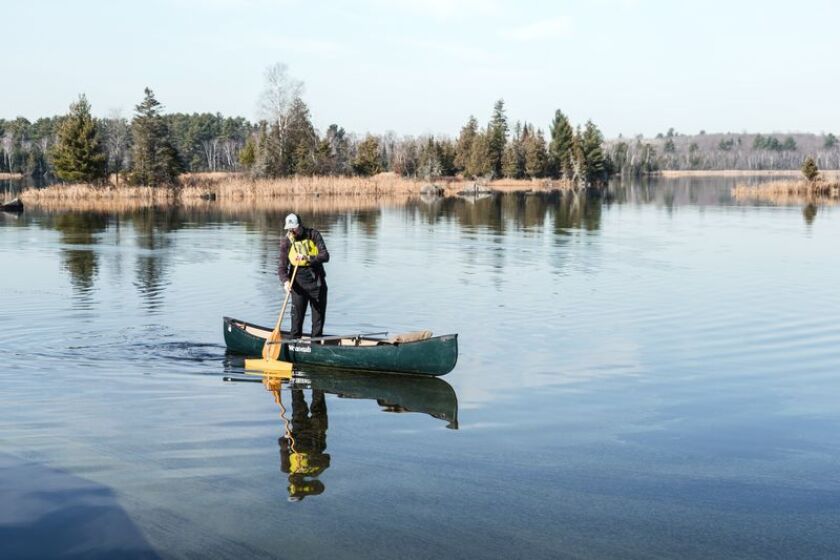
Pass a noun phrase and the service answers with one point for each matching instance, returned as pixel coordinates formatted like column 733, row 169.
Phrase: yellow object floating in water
column 269, row 366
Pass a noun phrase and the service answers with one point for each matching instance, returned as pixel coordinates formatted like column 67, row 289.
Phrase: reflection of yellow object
column 301, row 250
column 269, row 366
column 299, row 489
column 300, row 464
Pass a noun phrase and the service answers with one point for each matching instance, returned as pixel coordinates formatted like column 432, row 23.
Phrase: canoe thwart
column 325, row 338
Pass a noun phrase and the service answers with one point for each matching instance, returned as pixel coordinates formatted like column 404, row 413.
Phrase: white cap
column 292, row 221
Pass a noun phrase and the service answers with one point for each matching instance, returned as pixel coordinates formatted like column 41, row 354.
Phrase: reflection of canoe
column 423, row 355
column 395, row 393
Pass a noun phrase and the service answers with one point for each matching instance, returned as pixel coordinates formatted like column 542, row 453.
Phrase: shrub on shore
column 810, row 169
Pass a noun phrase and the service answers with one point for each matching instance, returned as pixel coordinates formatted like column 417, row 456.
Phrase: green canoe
column 415, row 353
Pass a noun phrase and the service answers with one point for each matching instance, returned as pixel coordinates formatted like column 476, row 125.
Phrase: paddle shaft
column 269, row 352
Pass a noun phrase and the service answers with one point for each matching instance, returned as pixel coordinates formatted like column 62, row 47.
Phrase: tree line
column 744, row 151
column 78, row 147
column 153, row 148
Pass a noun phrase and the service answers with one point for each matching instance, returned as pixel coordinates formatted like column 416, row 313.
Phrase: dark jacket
column 316, row 263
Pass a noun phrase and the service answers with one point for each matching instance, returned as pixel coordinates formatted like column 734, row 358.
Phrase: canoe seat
column 413, row 336
column 262, row 333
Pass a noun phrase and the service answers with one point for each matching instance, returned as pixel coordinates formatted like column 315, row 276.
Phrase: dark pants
column 308, row 290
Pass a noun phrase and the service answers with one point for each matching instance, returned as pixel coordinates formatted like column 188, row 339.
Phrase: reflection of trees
column 520, row 210
column 577, row 210
column 153, row 228
column 809, row 212
column 673, row 192
column 79, row 228
column 81, row 264
column 151, row 279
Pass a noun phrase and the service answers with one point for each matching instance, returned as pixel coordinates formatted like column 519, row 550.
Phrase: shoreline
column 11, row 176
column 824, row 191
column 239, row 190
column 676, row 173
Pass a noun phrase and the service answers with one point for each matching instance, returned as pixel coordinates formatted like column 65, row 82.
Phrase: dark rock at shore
column 14, row 205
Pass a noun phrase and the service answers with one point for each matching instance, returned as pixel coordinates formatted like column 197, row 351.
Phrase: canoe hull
column 434, row 356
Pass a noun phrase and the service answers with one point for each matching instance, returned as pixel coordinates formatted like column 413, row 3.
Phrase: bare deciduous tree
column 280, row 89
column 117, row 142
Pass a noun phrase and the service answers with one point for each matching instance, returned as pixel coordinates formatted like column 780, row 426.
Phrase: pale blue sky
column 420, row 66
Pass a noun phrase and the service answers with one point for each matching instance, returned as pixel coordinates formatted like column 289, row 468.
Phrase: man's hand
column 287, row 286
column 302, row 258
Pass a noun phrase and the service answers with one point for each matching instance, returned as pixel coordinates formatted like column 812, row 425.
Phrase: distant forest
column 744, row 151
column 153, row 147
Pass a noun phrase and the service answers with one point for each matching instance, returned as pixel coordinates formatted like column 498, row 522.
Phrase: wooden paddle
column 271, row 349
column 272, row 345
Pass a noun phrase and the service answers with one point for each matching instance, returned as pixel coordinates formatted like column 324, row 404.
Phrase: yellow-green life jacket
column 303, row 247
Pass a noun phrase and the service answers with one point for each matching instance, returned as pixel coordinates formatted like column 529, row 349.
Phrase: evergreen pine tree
column 248, row 154
column 430, row 162
column 446, row 155
column 591, row 142
column 497, row 137
column 337, row 151
column 580, row 167
column 299, row 140
column 513, row 157
column 463, row 147
column 536, row 157
column 367, row 161
column 154, row 159
column 480, row 163
column 78, row 155
column 560, row 148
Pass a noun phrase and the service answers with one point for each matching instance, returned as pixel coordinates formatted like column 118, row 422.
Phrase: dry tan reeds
column 11, row 176
column 790, row 193
column 302, row 204
column 237, row 190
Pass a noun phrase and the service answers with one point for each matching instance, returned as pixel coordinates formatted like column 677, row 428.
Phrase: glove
column 287, row 286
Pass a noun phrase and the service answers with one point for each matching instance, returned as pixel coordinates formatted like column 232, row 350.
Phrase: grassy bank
column 790, row 192
column 309, row 205
column 238, row 190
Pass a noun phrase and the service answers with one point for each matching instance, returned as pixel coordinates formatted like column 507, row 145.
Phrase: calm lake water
column 651, row 375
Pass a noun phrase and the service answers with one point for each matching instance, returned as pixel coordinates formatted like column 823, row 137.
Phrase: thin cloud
column 556, row 28
column 444, row 10
column 303, row 45
column 459, row 51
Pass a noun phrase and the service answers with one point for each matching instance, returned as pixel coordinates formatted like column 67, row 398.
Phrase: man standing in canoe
column 306, row 248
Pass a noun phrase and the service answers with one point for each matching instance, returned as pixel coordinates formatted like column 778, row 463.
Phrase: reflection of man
column 302, row 454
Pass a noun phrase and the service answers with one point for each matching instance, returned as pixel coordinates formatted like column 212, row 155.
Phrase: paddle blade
column 269, row 366
column 272, row 346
